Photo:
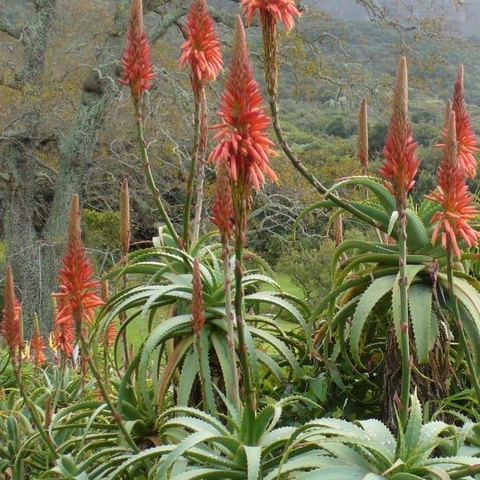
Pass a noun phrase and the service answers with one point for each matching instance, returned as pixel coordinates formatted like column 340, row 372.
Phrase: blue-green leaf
column 424, row 321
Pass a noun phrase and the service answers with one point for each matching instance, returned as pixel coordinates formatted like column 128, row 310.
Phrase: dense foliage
column 189, row 359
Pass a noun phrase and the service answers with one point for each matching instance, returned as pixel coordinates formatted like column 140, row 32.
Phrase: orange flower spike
column 466, row 140
column 63, row 335
column 401, row 163
column 11, row 328
column 201, row 48
column 198, row 310
column 276, row 10
column 243, row 142
column 76, row 283
column 137, row 67
column 451, row 222
column 37, row 345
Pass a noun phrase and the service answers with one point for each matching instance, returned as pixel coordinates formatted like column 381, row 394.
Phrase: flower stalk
column 399, row 170
column 222, row 214
column 138, row 74
column 271, row 12
column 201, row 50
column 457, row 209
column 244, row 149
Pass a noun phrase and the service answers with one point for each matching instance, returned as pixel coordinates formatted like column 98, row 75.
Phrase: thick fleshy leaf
column 372, row 295
column 424, row 321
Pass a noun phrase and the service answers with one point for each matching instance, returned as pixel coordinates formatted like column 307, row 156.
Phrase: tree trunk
column 34, row 253
column 23, row 245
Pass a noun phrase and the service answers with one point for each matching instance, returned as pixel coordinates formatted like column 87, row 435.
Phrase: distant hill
column 461, row 17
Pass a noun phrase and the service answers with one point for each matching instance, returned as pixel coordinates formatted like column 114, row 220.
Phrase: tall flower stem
column 197, row 169
column 247, row 378
column 458, row 320
column 125, row 232
column 271, row 78
column 232, row 389
column 404, row 323
column 148, row 173
column 200, row 173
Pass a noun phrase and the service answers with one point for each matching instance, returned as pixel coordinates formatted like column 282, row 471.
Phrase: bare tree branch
column 9, row 28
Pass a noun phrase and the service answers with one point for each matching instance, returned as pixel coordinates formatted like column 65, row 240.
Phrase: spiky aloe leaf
column 275, row 299
column 281, row 347
column 340, row 473
column 250, row 459
column 185, row 448
column 411, row 272
column 311, row 463
column 208, row 474
column 424, row 321
column 187, row 377
column 469, row 303
column 372, row 295
column 417, row 236
column 266, row 420
column 379, row 433
column 170, row 328
column 386, row 199
column 408, row 441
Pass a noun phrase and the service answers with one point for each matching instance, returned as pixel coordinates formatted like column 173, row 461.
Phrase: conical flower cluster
column 242, row 138
column 466, row 140
column 76, row 298
column 137, row 67
column 201, row 49
column 401, row 163
column 457, row 209
column 11, row 327
column 37, row 345
column 276, row 10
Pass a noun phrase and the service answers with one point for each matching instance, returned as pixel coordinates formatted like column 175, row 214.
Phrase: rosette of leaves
column 196, row 445
column 167, row 368
column 362, row 311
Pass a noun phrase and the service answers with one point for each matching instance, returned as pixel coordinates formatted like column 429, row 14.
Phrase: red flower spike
column 276, row 10
column 453, row 195
column 466, row 140
column 63, row 335
column 11, row 328
column 201, row 48
column 76, row 296
column 137, row 67
column 242, row 137
column 198, row 310
column 401, row 164
column 37, row 345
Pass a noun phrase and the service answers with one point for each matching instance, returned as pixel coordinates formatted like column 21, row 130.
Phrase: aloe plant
column 160, row 297
column 364, row 300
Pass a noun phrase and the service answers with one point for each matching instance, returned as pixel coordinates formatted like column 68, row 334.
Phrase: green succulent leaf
column 411, row 438
column 372, row 295
column 424, row 321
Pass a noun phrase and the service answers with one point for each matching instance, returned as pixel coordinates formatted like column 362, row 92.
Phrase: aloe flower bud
column 201, row 49
column 11, row 328
column 137, row 67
